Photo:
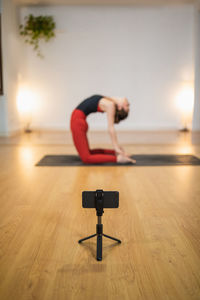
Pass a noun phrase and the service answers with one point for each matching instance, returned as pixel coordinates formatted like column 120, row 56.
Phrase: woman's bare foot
column 125, row 159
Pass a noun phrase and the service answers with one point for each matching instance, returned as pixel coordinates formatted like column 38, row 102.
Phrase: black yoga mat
column 141, row 160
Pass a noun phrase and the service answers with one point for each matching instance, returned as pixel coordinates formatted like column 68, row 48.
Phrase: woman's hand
column 124, row 159
column 119, row 150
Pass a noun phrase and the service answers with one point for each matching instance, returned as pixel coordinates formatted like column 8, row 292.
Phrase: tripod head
column 99, row 201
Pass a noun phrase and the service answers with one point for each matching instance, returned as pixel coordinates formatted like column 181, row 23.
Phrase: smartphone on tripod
column 110, row 199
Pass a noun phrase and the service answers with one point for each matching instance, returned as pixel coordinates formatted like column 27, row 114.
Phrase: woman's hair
column 120, row 115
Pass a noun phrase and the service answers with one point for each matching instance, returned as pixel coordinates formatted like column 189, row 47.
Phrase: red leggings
column 79, row 129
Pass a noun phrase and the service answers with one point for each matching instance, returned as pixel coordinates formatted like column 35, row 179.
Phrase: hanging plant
column 36, row 29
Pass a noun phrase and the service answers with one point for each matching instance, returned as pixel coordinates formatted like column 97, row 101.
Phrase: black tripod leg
column 86, row 238
column 99, row 247
column 112, row 238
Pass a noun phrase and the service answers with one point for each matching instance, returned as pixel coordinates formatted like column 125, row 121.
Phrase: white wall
column 3, row 117
column 143, row 53
column 3, row 111
column 196, row 118
column 13, row 64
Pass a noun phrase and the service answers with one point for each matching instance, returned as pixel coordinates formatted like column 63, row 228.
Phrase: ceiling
column 102, row 2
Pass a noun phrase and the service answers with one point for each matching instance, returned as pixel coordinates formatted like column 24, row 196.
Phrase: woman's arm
column 110, row 109
column 108, row 105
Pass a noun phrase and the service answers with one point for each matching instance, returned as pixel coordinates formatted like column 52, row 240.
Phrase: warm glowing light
column 25, row 101
column 26, row 158
column 185, row 99
column 185, row 149
column 185, row 103
column 26, row 154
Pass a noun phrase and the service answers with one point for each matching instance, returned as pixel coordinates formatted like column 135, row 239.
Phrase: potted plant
column 36, row 29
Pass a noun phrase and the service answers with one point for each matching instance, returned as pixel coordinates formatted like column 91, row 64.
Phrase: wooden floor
column 41, row 220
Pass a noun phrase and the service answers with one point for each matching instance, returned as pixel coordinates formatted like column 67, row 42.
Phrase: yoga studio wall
column 196, row 116
column 13, row 66
column 145, row 53
column 142, row 52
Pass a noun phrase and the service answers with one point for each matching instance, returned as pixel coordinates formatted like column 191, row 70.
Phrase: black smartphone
column 110, row 199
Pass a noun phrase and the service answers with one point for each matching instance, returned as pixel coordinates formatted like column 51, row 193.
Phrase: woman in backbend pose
column 117, row 110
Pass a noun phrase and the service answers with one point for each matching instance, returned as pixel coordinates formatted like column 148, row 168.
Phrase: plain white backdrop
column 145, row 53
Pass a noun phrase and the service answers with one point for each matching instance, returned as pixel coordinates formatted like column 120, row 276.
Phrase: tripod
column 99, row 227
